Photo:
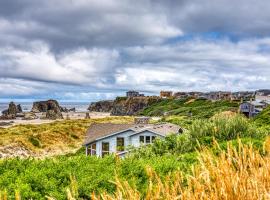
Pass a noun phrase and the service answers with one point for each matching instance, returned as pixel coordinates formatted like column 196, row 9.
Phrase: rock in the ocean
column 11, row 112
column 63, row 109
column 19, row 108
column 29, row 116
column 50, row 107
column 72, row 109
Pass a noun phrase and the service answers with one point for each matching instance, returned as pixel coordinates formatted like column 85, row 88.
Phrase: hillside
column 263, row 118
column 197, row 108
column 55, row 138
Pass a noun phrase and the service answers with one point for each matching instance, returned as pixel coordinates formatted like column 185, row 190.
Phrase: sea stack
column 50, row 107
column 11, row 112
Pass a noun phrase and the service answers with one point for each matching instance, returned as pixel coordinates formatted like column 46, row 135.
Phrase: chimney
column 141, row 120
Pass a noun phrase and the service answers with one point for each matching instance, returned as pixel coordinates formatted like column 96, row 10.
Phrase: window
column 141, row 139
column 93, row 149
column 88, row 150
column 120, row 144
column 147, row 139
column 105, row 148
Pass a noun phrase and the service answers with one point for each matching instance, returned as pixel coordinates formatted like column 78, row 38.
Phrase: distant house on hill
column 105, row 138
column 166, row 94
column 220, row 95
column 180, row 95
column 133, row 93
column 243, row 96
column 262, row 95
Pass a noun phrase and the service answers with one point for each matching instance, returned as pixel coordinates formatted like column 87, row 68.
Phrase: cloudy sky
column 96, row 49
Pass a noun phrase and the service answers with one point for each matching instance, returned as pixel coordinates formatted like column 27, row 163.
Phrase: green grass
column 198, row 108
column 263, row 118
column 36, row 179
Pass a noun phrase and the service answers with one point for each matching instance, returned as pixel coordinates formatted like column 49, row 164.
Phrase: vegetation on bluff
column 50, row 177
column 195, row 108
column 263, row 118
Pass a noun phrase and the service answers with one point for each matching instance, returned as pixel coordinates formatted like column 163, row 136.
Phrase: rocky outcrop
column 72, row 110
column 19, row 108
column 6, row 123
column 53, row 114
column 101, row 106
column 11, row 112
column 87, row 115
column 50, row 107
column 64, row 109
column 133, row 105
column 123, row 106
column 29, row 116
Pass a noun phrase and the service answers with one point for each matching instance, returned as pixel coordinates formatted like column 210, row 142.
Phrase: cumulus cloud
column 83, row 66
column 87, row 49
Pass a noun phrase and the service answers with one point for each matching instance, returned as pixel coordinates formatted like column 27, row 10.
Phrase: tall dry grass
column 235, row 174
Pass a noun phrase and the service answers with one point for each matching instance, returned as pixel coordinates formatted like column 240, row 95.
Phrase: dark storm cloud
column 68, row 24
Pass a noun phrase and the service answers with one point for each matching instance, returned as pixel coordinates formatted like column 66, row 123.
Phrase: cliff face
column 123, row 106
column 132, row 105
column 101, row 106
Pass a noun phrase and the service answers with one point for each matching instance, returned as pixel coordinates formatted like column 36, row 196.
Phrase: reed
column 235, row 174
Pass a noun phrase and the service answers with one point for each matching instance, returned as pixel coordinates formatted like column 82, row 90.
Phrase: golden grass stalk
column 235, row 174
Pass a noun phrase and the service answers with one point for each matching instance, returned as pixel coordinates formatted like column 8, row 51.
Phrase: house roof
column 103, row 130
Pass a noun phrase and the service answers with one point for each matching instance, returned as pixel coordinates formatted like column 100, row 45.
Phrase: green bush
column 34, row 141
column 224, row 128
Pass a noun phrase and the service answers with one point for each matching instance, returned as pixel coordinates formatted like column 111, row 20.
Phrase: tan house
column 166, row 94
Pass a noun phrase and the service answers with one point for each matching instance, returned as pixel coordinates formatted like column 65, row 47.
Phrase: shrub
column 224, row 128
column 34, row 141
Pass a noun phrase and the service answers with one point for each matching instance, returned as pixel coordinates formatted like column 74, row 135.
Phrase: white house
column 105, row 138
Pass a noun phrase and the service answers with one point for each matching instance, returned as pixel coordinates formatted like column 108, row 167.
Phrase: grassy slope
column 53, row 138
column 199, row 108
column 264, row 117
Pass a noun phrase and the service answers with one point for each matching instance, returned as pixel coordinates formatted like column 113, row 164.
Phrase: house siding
column 129, row 137
column 112, row 141
column 135, row 139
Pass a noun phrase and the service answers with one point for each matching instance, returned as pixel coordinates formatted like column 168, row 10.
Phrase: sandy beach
column 70, row 115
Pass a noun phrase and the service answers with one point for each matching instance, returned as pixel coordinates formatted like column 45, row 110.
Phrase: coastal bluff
column 122, row 106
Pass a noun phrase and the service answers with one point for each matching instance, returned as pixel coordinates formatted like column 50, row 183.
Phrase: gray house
column 105, row 138
column 251, row 109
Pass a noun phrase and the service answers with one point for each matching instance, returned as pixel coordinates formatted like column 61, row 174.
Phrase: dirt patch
column 190, row 101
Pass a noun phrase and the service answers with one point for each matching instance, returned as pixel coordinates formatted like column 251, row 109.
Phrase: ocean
column 27, row 106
